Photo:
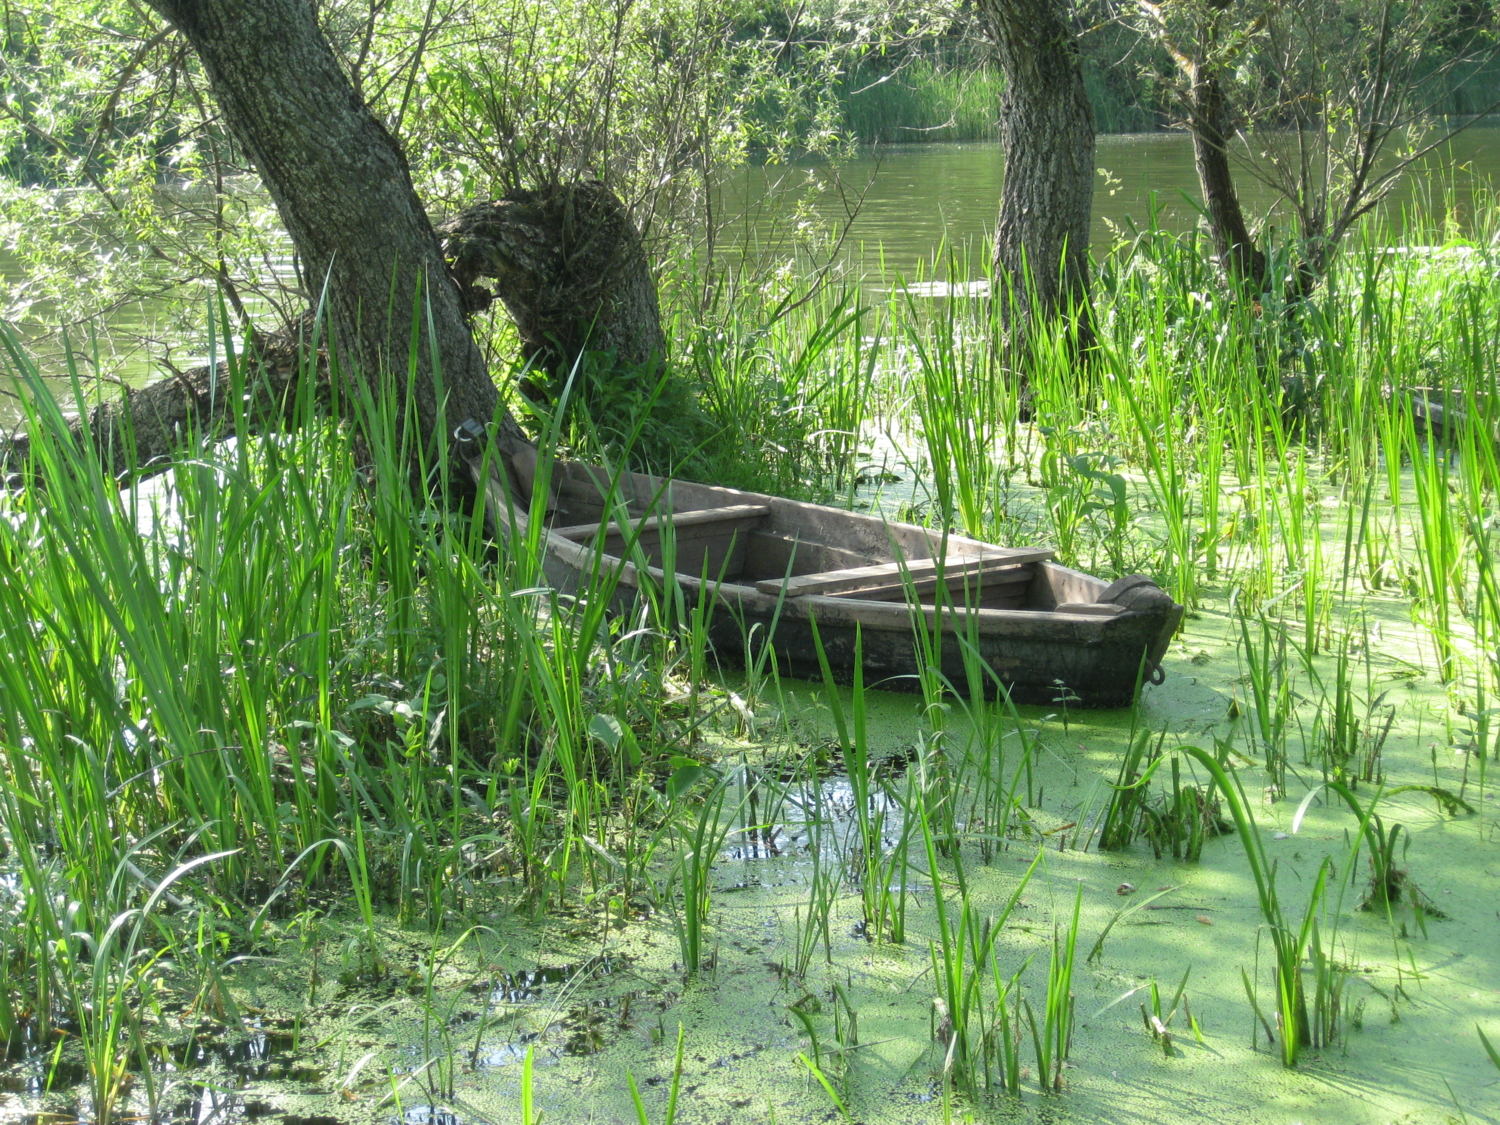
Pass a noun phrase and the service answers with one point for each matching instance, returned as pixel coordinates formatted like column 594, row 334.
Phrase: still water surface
column 932, row 202
column 920, row 200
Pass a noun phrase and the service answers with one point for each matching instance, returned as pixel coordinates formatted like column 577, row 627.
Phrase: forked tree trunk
column 1047, row 132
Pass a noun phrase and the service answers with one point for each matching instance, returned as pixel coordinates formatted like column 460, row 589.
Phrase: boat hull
column 1039, row 631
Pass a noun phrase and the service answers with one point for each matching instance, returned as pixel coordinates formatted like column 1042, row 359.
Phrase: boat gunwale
column 588, row 556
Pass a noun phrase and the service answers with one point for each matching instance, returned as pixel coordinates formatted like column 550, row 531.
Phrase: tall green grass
column 281, row 657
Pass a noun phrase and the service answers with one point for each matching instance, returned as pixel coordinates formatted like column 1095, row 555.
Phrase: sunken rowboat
column 771, row 567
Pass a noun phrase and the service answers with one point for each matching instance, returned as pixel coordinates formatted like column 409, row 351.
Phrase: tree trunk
column 345, row 195
column 138, row 433
column 569, row 266
column 1209, row 119
column 1047, row 132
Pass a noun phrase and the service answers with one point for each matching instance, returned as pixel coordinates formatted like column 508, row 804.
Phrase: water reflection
column 919, row 203
column 920, row 200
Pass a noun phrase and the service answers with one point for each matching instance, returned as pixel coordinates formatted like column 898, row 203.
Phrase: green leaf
column 817, row 1072
column 1489, row 1048
column 615, row 735
column 607, row 729
column 632, row 748
column 683, row 779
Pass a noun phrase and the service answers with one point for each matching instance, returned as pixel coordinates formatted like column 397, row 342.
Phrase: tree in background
column 572, row 145
column 1333, row 100
column 1047, row 131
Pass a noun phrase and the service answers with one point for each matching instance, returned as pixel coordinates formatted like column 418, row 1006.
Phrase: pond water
column 916, row 201
column 911, row 205
column 593, row 998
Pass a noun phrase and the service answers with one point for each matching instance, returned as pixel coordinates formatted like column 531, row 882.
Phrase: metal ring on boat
column 1158, row 675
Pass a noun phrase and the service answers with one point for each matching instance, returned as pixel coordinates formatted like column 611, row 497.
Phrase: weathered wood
column 138, row 433
column 731, row 513
column 712, row 551
column 881, row 575
column 1055, row 584
column 1037, row 655
column 978, row 585
column 707, row 541
column 768, row 553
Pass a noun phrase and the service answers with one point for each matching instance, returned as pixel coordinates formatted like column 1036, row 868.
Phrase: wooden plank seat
column 699, row 517
column 872, row 581
column 997, row 579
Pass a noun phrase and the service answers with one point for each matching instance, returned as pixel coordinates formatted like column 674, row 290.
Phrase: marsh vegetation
column 317, row 804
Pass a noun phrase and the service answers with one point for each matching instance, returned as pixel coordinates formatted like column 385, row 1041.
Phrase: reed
column 1003, row 1042
column 924, row 100
column 353, row 719
column 1440, row 559
column 1121, row 822
column 961, row 407
column 1053, row 1038
column 879, row 871
column 698, row 831
column 1156, row 420
column 530, row 1115
column 960, row 957
column 991, row 722
column 1272, row 695
column 669, row 1115
column 1158, row 1019
column 1289, row 942
column 812, row 927
column 1489, row 1048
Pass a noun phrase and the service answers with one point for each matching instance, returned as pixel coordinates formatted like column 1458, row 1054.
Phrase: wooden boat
column 770, row 567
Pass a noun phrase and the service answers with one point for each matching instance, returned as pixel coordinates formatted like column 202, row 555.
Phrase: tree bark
column 569, row 266
column 344, row 192
column 1047, row 133
column 1209, row 119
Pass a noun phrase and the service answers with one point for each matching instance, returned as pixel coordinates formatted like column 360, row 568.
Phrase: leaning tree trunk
column 568, row 265
column 345, row 194
column 1209, row 120
column 1047, row 133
